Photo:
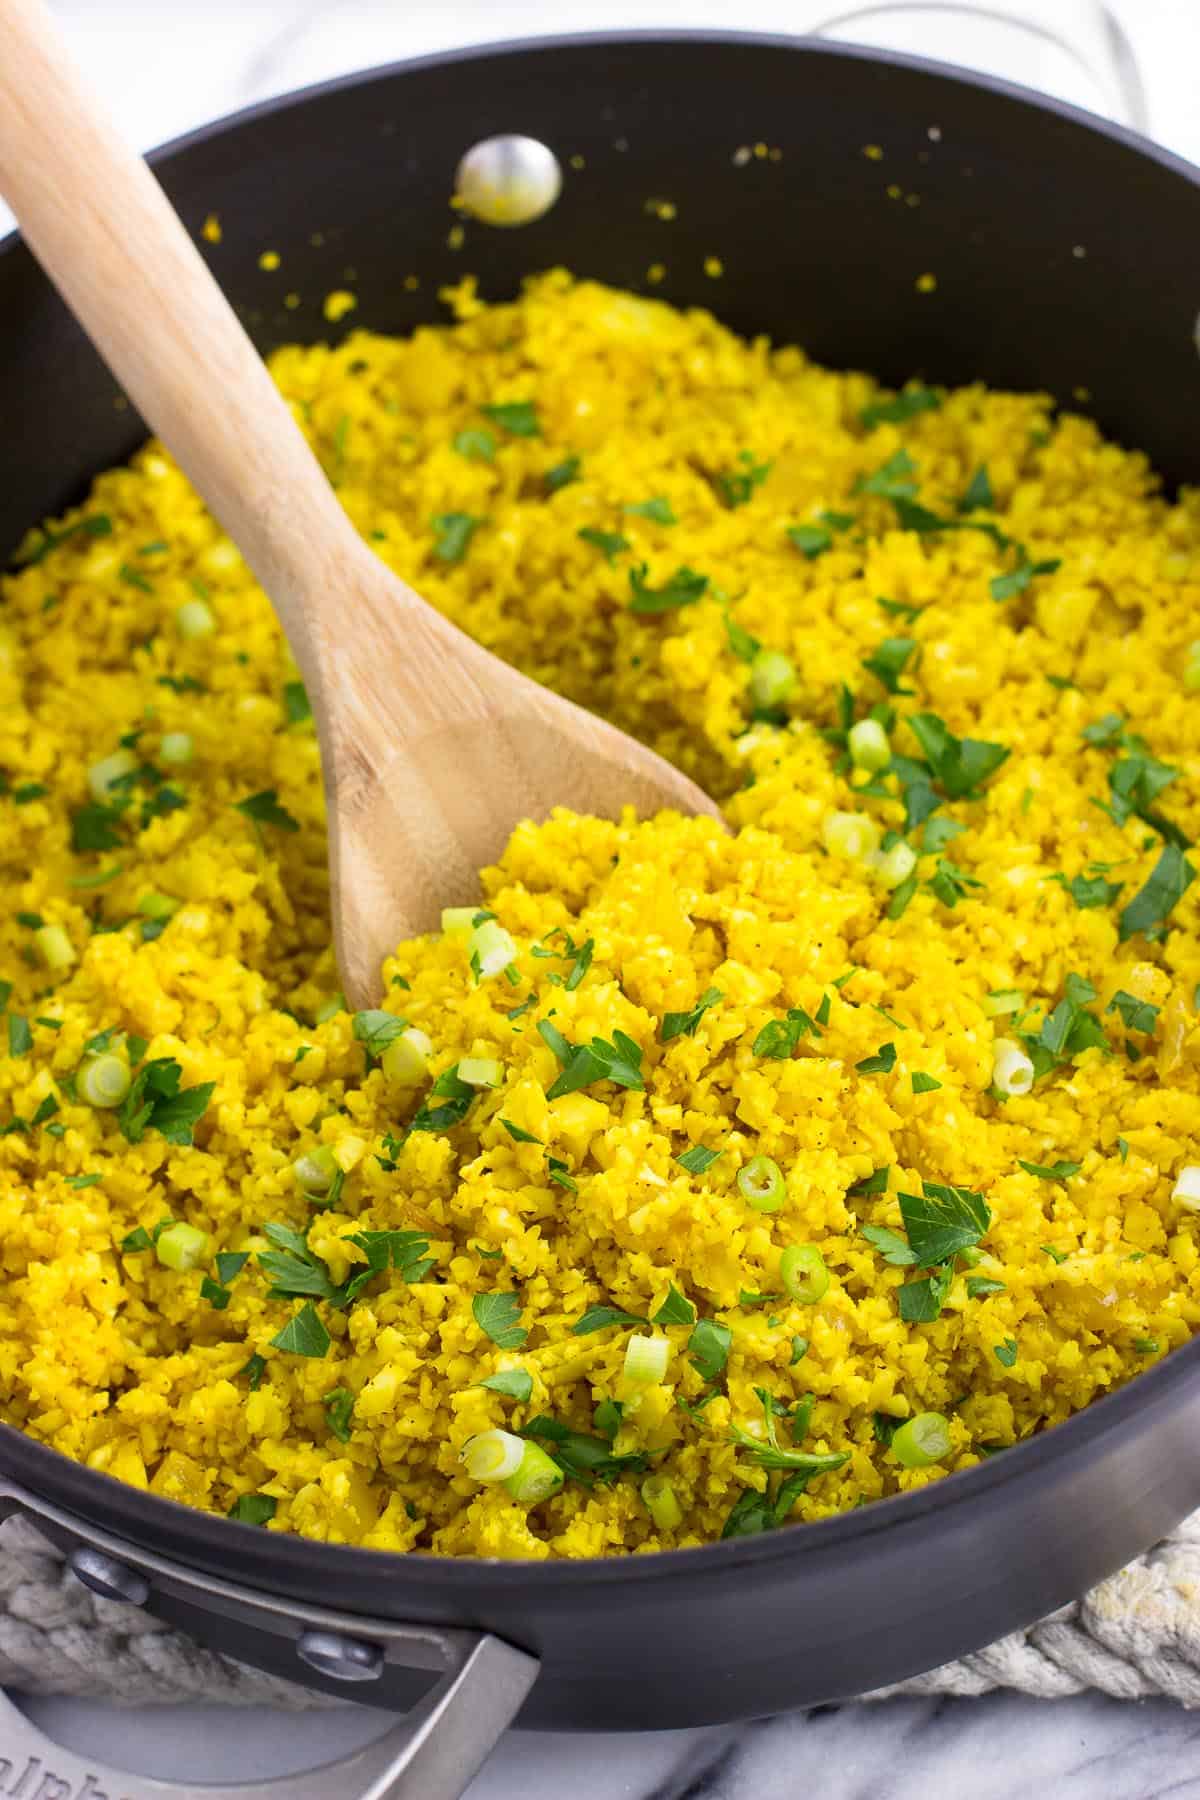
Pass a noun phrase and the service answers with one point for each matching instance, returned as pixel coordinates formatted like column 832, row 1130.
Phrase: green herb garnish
column 683, row 588
column 264, row 809
column 304, row 1334
column 518, row 417
column 684, row 1024
column 454, row 533
column 498, row 1316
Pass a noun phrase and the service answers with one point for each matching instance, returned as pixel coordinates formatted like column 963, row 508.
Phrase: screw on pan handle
column 430, row 1754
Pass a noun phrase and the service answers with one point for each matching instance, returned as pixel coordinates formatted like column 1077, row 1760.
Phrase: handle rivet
column 105, row 1576
column 508, row 180
column 340, row 1658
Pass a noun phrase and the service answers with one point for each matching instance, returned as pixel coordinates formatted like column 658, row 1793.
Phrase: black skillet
column 1067, row 257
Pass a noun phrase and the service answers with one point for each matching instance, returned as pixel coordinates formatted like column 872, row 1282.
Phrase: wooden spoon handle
column 110, row 240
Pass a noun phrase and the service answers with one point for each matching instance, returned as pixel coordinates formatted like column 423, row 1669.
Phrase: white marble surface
column 167, row 65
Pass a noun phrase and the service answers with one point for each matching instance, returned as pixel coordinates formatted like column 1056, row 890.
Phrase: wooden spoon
column 432, row 749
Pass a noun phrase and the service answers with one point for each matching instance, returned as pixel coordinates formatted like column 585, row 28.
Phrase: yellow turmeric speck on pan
column 925, row 284
column 269, row 259
column 291, row 301
column 873, row 152
column 412, row 283
column 211, row 229
column 895, row 191
column 338, row 304
column 577, row 161
column 714, row 268
column 662, row 209
column 456, row 237
column 656, row 273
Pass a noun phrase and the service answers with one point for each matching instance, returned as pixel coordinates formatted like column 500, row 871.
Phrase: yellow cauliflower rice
column 925, row 1015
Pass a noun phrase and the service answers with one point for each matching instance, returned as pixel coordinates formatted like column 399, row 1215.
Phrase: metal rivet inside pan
column 340, row 1658
column 508, row 180
column 105, row 1576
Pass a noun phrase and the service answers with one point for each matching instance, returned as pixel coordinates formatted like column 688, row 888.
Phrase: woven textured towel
column 1134, row 1636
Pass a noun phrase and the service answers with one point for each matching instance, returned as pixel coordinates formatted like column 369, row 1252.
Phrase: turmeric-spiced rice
column 744, row 1177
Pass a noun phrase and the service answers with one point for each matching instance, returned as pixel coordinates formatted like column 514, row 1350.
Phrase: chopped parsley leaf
column 93, row 827
column 304, row 1334
column 911, row 400
column 563, row 474
column 585, row 1459
column 518, row 417
column 476, row 443
column 744, row 646
column 943, row 1220
column 217, row 1296
column 339, row 1409
column 1058, row 1171
column 156, row 1102
column 888, row 662
column 599, row 1318
column 960, row 765
column 514, row 1384
column 1056, row 1256
column 296, row 704
column 1067, row 1030
column 923, row 1083
column 980, row 1286
column 20, row 1038
column 610, row 542
column 518, row 1133
column 658, row 510
column 454, row 533
column 709, row 1347
column 897, row 906
column 874, row 1183
column 1089, row 891
column 1004, row 587
column 950, row 883
column 1136, row 1015
column 676, row 1309
column 683, row 588
column 583, row 1064
column 1152, row 905
column 778, row 1037
column 376, row 1029
column 498, row 1316
column 264, row 809
column 977, row 495
column 1006, row 1352
column 456, row 1097
column 256, row 1368
column 883, row 1061
column 891, row 1246
column 684, row 1024
column 737, row 486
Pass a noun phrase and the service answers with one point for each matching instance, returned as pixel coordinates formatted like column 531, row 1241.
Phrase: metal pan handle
column 1093, row 38
column 430, row 1754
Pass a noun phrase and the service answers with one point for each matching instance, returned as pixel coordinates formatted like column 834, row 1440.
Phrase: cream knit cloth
column 1135, row 1636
